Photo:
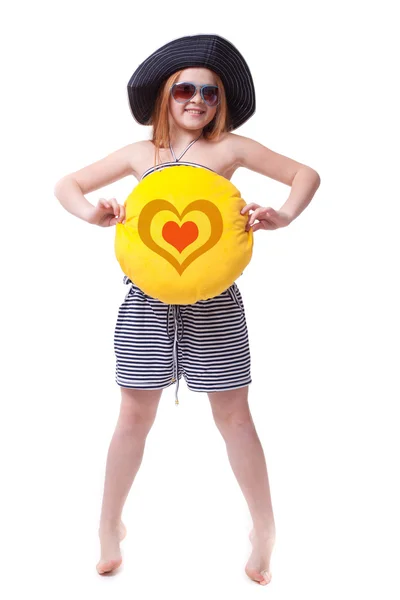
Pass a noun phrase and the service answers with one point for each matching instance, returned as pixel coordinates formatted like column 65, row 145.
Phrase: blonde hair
column 159, row 118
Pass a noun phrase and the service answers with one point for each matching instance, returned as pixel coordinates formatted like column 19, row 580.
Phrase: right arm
column 70, row 189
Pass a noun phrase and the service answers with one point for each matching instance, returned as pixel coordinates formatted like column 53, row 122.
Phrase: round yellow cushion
column 184, row 238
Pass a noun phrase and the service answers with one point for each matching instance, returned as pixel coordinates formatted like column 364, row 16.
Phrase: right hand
column 107, row 213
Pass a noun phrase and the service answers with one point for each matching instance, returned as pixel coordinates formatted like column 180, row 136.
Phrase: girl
column 194, row 91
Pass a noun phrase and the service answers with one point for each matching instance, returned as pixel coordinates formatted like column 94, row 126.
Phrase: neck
column 179, row 138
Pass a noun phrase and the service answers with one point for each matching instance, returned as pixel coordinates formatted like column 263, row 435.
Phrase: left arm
column 304, row 182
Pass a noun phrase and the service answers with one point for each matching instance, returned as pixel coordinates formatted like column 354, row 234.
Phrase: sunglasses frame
column 198, row 87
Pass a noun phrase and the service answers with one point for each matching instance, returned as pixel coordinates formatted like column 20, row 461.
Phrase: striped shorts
column 206, row 342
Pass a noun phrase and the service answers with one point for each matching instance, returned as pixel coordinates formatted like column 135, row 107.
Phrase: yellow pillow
column 184, row 238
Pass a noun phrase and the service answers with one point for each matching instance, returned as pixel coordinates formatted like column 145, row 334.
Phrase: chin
column 192, row 126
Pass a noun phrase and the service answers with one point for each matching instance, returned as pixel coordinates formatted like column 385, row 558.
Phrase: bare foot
column 111, row 557
column 258, row 565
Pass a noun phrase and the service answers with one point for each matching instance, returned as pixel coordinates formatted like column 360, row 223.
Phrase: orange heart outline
column 152, row 208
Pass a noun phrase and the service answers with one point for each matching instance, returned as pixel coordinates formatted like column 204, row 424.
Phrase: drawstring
column 177, row 338
column 175, row 310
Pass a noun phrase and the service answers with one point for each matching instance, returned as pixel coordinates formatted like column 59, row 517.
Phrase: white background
column 321, row 299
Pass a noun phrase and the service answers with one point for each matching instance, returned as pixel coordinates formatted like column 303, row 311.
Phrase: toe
column 107, row 566
column 266, row 577
column 255, row 575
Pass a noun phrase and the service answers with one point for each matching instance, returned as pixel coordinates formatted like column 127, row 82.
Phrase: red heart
column 180, row 237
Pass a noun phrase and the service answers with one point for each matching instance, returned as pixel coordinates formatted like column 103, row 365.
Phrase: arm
column 304, row 181
column 70, row 189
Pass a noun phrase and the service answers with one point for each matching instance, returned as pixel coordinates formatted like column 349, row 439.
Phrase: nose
column 197, row 97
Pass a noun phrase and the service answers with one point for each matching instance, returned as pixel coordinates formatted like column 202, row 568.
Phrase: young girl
column 194, row 91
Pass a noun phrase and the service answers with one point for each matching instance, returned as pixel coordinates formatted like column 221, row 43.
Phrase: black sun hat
column 210, row 51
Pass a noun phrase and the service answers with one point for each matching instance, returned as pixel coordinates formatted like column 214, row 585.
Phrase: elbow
column 310, row 173
column 60, row 185
column 316, row 176
column 317, row 181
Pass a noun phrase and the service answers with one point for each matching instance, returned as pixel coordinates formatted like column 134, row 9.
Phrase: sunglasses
column 185, row 91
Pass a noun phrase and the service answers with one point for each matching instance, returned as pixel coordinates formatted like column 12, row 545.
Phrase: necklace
column 185, row 150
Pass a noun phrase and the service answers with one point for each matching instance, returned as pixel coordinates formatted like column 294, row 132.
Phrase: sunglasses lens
column 210, row 94
column 182, row 92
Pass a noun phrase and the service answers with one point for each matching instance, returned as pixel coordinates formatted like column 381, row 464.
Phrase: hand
column 107, row 213
column 268, row 218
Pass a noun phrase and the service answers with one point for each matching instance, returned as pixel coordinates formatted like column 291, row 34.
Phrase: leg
column 137, row 413
column 232, row 417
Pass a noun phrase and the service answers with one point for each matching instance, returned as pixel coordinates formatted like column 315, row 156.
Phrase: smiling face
column 202, row 114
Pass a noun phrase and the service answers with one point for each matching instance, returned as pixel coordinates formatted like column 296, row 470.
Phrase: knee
column 134, row 423
column 233, row 419
column 231, row 409
column 137, row 413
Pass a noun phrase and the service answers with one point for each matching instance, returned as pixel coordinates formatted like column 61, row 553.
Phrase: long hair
column 159, row 119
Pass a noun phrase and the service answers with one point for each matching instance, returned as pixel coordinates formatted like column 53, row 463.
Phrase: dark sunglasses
column 186, row 90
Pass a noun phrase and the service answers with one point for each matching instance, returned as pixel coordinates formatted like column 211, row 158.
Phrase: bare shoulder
column 224, row 155
column 116, row 165
column 257, row 157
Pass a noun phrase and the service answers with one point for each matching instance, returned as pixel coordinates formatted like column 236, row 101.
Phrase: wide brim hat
column 210, row 51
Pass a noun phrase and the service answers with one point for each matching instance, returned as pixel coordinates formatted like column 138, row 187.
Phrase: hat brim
column 210, row 51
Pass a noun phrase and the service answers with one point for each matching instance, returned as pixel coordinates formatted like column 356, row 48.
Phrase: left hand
column 268, row 218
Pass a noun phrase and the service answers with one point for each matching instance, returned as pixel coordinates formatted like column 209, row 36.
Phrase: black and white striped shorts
column 206, row 342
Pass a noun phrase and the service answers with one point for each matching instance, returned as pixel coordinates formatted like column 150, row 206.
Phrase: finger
column 263, row 225
column 265, row 214
column 259, row 225
column 250, row 226
column 103, row 202
column 248, row 207
column 115, row 206
column 266, row 223
column 122, row 214
column 257, row 214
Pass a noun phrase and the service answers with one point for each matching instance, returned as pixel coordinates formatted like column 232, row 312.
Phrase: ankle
column 264, row 531
column 109, row 524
